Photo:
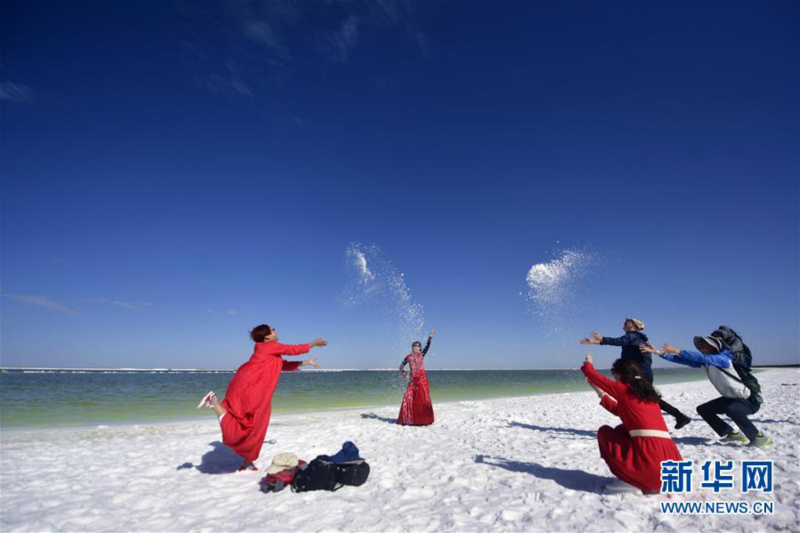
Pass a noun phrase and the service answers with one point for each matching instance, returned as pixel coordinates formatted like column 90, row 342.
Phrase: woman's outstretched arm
column 300, row 349
column 603, row 383
column 608, row 403
column 428, row 344
column 291, row 366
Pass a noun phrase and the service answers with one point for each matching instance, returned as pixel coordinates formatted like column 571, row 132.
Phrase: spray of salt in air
column 553, row 294
column 378, row 285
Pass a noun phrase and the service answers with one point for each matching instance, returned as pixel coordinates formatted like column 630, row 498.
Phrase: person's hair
column 415, row 343
column 631, row 374
column 259, row 333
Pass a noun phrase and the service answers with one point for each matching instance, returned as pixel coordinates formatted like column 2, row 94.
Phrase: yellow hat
column 636, row 322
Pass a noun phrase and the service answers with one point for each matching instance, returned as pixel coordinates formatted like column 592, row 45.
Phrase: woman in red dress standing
column 244, row 413
column 416, row 409
column 633, row 450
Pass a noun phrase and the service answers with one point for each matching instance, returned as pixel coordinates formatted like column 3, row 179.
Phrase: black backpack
column 321, row 474
column 742, row 359
column 734, row 343
column 318, row 475
column 353, row 474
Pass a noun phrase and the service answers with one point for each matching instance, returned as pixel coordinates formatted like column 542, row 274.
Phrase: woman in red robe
column 244, row 413
column 416, row 409
column 633, row 450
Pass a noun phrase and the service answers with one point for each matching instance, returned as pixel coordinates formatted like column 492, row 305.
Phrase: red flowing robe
column 634, row 460
column 248, row 401
column 416, row 409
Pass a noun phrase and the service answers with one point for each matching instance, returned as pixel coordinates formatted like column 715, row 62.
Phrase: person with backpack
column 737, row 400
column 633, row 450
column 245, row 412
column 630, row 343
column 416, row 409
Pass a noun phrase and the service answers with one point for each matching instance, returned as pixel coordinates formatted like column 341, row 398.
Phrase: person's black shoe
column 682, row 421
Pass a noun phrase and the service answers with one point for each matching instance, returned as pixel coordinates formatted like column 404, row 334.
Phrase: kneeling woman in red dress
column 244, row 413
column 633, row 450
column 416, row 409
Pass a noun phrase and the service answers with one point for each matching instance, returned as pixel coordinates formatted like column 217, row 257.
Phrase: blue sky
column 174, row 173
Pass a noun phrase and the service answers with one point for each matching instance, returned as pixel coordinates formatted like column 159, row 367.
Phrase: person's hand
column 313, row 362
column 647, row 348
column 594, row 338
column 432, row 333
column 666, row 348
column 319, row 342
column 589, row 358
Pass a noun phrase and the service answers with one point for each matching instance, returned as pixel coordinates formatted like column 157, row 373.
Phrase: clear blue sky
column 174, row 173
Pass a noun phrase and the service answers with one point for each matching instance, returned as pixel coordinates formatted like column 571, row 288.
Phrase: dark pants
column 736, row 408
column 667, row 408
column 670, row 409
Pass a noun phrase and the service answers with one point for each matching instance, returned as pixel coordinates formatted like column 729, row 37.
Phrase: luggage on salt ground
column 277, row 482
column 322, row 474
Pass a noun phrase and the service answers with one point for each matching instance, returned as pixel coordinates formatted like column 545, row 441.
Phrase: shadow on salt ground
column 220, row 460
column 373, row 416
column 571, row 431
column 772, row 421
column 691, row 441
column 569, row 479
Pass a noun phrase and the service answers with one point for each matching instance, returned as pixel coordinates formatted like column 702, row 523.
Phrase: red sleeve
column 610, row 404
column 595, row 378
column 292, row 349
column 290, row 366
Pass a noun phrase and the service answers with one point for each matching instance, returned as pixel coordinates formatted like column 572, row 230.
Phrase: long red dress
column 636, row 460
column 416, row 409
column 248, row 401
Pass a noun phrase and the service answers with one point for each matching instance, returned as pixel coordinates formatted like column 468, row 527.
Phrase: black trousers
column 669, row 409
column 736, row 408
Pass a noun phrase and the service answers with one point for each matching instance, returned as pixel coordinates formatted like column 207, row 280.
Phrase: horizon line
column 175, row 369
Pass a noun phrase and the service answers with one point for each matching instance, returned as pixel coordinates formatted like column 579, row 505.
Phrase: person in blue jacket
column 630, row 343
column 737, row 401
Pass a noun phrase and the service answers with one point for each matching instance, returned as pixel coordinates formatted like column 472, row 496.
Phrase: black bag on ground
column 742, row 359
column 318, row 475
column 353, row 474
column 321, row 474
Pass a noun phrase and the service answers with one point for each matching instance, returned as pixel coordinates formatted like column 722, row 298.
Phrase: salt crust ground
column 517, row 464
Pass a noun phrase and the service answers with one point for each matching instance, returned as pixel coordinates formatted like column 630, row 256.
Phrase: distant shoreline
column 290, row 413
column 232, row 370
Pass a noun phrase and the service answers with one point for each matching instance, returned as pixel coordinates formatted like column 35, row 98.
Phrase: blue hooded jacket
column 719, row 368
column 630, row 350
